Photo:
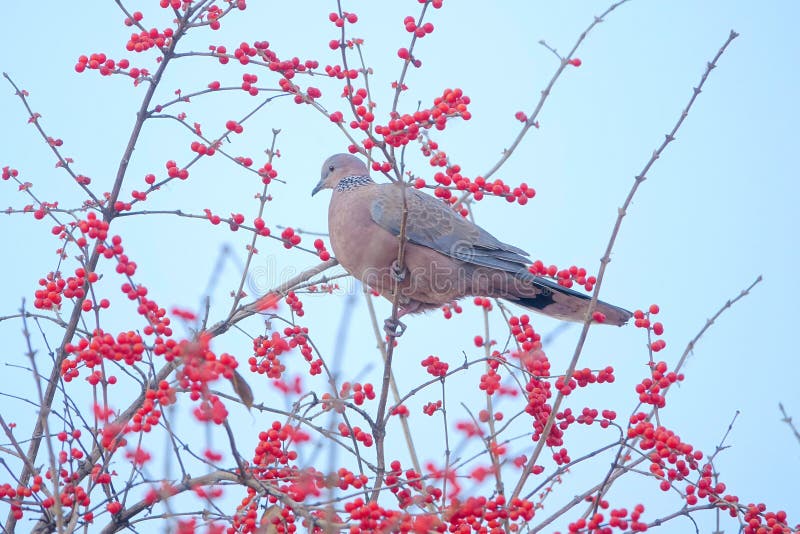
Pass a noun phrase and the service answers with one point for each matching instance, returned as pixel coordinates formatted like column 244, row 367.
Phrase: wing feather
column 430, row 223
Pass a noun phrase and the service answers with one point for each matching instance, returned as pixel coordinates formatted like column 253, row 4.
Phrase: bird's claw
column 398, row 271
column 394, row 327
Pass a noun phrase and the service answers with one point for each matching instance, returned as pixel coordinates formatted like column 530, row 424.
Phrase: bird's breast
column 361, row 246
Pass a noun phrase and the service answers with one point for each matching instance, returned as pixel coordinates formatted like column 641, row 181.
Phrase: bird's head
column 337, row 167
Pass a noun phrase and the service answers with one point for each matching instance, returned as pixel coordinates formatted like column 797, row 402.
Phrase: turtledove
column 446, row 256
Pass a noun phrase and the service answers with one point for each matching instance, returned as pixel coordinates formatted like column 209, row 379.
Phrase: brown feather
column 446, row 256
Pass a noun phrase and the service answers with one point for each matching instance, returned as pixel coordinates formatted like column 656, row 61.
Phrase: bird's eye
column 331, row 167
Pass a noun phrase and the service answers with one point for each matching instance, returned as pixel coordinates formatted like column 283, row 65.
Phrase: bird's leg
column 398, row 271
column 394, row 327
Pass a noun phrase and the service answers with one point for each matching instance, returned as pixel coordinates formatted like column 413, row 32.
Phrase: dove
column 446, row 257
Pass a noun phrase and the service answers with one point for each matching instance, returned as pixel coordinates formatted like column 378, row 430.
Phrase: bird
column 446, row 257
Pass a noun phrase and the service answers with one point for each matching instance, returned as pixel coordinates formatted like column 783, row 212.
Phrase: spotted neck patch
column 349, row 183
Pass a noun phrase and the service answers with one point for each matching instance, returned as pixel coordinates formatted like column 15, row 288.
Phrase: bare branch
column 607, row 258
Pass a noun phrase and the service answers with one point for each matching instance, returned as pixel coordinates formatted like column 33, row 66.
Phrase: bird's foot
column 394, row 327
column 398, row 271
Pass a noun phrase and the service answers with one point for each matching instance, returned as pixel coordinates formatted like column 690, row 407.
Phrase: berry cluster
column 435, row 366
column 418, row 31
column 357, row 433
column 49, row 297
column 107, row 66
column 651, row 390
column 481, row 514
column 584, row 377
column 453, row 180
column 293, row 301
column 358, row 392
column 127, row 347
column 402, row 129
column 348, row 479
column 274, row 448
column 290, row 238
column 431, row 408
column 448, row 309
column 147, row 39
column 322, row 252
column 564, row 277
column 266, row 351
column 490, row 382
column 538, row 392
column 642, row 320
column 667, row 449
column 267, row 173
column 619, row 519
column 524, row 334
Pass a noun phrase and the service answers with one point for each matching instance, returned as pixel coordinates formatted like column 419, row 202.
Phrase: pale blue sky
column 717, row 210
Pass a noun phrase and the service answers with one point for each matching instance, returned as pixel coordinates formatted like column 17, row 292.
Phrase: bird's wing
column 430, row 223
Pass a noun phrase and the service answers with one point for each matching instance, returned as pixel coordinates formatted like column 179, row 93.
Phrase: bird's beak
column 317, row 188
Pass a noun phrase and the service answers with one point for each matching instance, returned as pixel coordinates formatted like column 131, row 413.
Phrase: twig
column 380, row 423
column 487, row 351
column 399, row 89
column 412, row 450
column 690, row 346
column 255, row 307
column 34, row 119
column 547, row 90
column 617, row 466
column 251, row 250
column 447, row 451
column 607, row 258
column 44, row 414
column 788, row 420
column 91, row 264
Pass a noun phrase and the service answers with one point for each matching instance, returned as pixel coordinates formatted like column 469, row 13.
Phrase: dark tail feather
column 562, row 303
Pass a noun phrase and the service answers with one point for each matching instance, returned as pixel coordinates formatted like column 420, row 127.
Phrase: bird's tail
column 562, row 303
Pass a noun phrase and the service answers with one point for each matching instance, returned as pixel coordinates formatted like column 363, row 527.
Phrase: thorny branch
column 532, row 118
column 127, row 519
column 638, row 180
column 617, row 467
column 395, row 392
column 391, row 338
column 788, row 420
